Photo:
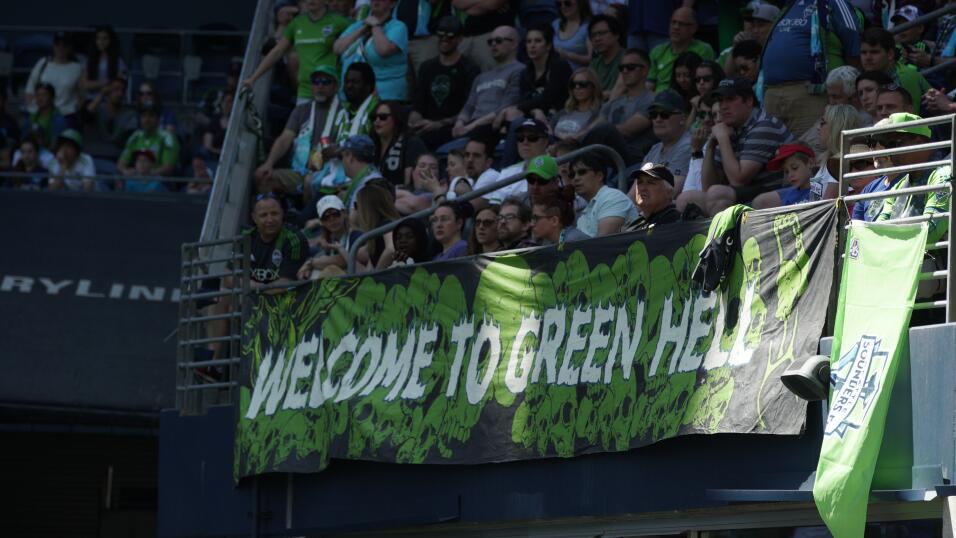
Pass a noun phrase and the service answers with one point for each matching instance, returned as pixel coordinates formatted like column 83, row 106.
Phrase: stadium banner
column 602, row 345
column 871, row 328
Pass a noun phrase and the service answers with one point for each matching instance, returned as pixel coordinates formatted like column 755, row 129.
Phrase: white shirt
column 65, row 79
column 83, row 167
column 486, row 178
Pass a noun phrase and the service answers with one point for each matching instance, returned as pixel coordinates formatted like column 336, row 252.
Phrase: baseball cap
column 448, row 25
column 761, row 11
column 360, row 145
column 146, row 152
column 532, row 124
column 907, row 13
column 786, row 151
column 327, row 70
column 654, row 170
column 543, row 166
column 327, row 202
column 731, row 87
column 669, row 101
column 71, row 135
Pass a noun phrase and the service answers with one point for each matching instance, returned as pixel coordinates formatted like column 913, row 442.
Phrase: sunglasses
column 382, row 116
column 575, row 172
column 331, row 214
column 537, row 180
column 498, row 40
column 445, row 35
column 580, row 84
column 630, row 67
column 485, row 223
column 566, row 3
column 706, row 78
column 659, row 114
column 888, row 140
column 322, row 81
column 860, row 165
column 532, row 138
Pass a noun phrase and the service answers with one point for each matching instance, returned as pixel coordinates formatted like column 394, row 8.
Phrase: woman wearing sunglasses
column 706, row 77
column 583, row 108
column 484, row 234
column 396, row 148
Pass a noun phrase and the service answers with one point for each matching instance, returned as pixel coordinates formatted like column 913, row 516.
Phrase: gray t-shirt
column 300, row 115
column 493, row 90
column 621, row 109
column 571, row 123
column 676, row 158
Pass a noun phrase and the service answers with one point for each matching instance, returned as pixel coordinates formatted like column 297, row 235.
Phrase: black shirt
column 280, row 258
column 400, row 155
column 549, row 91
column 665, row 216
column 443, row 89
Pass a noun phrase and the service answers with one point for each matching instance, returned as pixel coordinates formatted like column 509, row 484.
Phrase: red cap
column 787, row 150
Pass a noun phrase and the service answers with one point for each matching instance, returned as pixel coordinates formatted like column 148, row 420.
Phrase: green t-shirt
column 607, row 73
column 313, row 42
column 662, row 62
column 164, row 146
column 913, row 82
column 921, row 204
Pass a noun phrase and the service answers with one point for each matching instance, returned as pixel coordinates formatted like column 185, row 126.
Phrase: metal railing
column 846, row 137
column 425, row 213
column 205, row 377
column 230, row 190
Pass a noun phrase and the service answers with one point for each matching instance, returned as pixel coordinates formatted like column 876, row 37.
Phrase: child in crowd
column 143, row 162
column 458, row 181
column 796, row 161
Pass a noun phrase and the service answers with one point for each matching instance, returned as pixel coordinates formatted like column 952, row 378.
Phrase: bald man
column 495, row 89
column 681, row 39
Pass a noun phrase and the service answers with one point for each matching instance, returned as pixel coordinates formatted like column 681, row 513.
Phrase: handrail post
column 950, row 251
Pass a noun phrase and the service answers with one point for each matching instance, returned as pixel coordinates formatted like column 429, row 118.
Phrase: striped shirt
column 758, row 140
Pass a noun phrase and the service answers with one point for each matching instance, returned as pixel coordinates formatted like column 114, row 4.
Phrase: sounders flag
column 878, row 286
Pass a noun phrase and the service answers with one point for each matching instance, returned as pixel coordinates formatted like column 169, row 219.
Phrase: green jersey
column 911, row 81
column 921, row 204
column 313, row 42
column 662, row 62
column 164, row 146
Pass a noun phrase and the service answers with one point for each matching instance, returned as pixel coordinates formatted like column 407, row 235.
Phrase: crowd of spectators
column 82, row 125
column 402, row 106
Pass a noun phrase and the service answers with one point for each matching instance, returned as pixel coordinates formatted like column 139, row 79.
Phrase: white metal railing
column 845, row 158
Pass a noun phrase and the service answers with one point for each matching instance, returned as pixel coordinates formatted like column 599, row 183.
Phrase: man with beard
column 443, row 86
column 304, row 133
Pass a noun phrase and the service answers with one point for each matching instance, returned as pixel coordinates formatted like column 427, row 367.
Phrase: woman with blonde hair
column 836, row 119
column 583, row 108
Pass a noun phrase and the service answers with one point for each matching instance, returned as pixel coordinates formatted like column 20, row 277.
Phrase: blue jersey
column 868, row 210
column 789, row 53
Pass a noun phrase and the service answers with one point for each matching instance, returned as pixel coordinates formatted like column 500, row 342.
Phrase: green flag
column 880, row 273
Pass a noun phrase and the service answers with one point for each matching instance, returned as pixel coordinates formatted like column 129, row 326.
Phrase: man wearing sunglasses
column 303, row 133
column 483, row 19
column 494, row 89
column 628, row 113
column 669, row 120
column 532, row 138
column 443, row 86
column 734, row 168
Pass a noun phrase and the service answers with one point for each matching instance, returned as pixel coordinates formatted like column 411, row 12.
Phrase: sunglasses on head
column 497, row 40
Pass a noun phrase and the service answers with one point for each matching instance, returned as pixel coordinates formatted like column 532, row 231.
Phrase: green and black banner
column 604, row 345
